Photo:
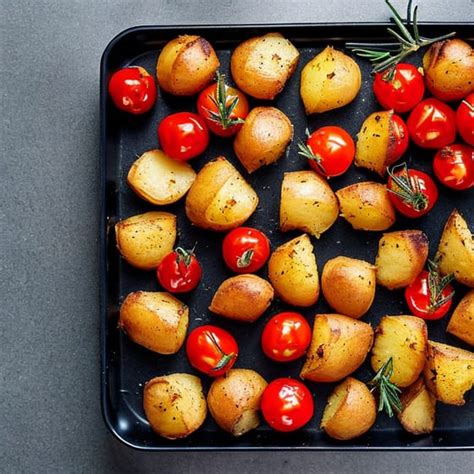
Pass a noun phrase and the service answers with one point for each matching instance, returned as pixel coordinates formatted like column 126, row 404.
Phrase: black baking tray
column 125, row 366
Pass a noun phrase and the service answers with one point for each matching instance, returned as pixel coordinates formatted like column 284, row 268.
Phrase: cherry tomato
column 245, row 249
column 286, row 337
column 287, row 404
column 453, row 165
column 179, row 271
column 132, row 90
column 400, row 88
column 183, row 135
column 211, row 350
column 400, row 140
column 465, row 119
column 412, row 192
column 432, row 124
column 223, row 108
column 330, row 151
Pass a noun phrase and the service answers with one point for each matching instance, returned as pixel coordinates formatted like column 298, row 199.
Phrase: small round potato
column 174, row 405
column 234, row 400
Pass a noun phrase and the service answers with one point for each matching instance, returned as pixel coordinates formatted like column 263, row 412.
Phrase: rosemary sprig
column 387, row 55
column 436, row 285
column 409, row 190
column 307, row 152
column 388, row 392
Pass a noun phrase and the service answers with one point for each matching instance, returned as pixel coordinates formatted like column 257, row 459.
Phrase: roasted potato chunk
column 461, row 323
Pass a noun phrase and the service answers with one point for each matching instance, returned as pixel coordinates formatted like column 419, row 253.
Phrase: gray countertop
column 50, row 418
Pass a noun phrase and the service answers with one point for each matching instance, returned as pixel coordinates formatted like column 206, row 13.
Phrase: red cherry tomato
column 132, row 90
column 412, row 192
column 179, row 271
column 432, row 124
column 453, row 165
column 330, row 151
column 400, row 140
column 465, row 119
column 399, row 89
column 287, row 404
column 223, row 108
column 286, row 337
column 245, row 249
column 211, row 350
column 183, row 135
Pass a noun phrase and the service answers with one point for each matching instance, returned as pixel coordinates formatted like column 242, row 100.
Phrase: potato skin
column 186, row 65
column 339, row 346
column 234, row 400
column 155, row 320
column 263, row 138
column 174, row 405
column 350, row 410
column 243, row 297
column 348, row 285
column 461, row 323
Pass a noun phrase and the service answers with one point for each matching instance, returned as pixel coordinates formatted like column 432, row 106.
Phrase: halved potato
column 307, row 203
column 145, row 239
column 366, row 206
column 158, row 179
column 401, row 257
column 404, row 339
column 293, row 272
column 461, row 323
column 261, row 66
column 263, row 137
column 155, row 320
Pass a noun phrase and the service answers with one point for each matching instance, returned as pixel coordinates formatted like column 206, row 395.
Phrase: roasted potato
column 293, row 272
column 155, row 320
column 350, row 410
column 404, row 339
column 456, row 250
column 145, row 239
column 449, row 372
column 186, row 65
column 307, row 203
column 461, row 323
column 401, row 257
column 449, row 69
column 220, row 199
column 348, row 285
column 263, row 137
column 234, row 400
column 418, row 409
column 329, row 81
column 243, row 297
column 261, row 66
column 339, row 346
column 158, row 179
column 174, row 405
column 366, row 206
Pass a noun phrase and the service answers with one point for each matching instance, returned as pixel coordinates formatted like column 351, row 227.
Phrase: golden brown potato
column 404, row 338
column 155, row 320
column 174, row 405
column 456, row 250
column 263, row 137
column 449, row 69
column 243, row 297
column 339, row 346
column 158, row 179
column 220, row 199
column 348, row 285
column 329, row 81
column 418, row 409
column 234, row 400
column 307, row 203
column 461, row 323
column 293, row 272
column 145, row 239
column 449, row 372
column 261, row 66
column 401, row 257
column 186, row 65
column 366, row 206
column 350, row 410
